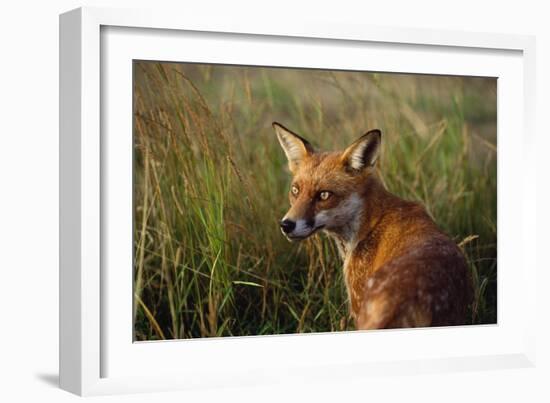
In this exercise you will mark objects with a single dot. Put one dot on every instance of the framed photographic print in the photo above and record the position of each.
(237, 198)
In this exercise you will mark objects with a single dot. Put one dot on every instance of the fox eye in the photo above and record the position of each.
(325, 195)
(294, 190)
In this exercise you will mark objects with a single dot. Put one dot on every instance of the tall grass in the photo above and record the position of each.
(210, 185)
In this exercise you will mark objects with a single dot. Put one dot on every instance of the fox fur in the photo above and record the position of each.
(400, 269)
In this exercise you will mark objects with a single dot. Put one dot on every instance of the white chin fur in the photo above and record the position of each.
(301, 230)
(344, 216)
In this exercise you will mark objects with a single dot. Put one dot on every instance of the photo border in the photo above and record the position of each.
(81, 159)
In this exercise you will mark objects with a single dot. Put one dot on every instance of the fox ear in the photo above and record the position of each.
(295, 147)
(364, 151)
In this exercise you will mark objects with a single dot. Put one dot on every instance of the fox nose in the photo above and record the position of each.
(287, 226)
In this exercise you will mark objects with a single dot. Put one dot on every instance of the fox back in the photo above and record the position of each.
(400, 269)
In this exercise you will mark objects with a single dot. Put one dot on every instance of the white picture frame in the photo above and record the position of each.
(96, 354)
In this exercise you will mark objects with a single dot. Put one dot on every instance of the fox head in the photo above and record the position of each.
(327, 188)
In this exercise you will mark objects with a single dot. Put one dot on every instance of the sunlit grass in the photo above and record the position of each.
(210, 185)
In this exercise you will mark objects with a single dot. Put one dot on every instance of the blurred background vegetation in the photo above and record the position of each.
(211, 183)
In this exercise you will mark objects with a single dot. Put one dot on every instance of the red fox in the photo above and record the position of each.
(400, 270)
